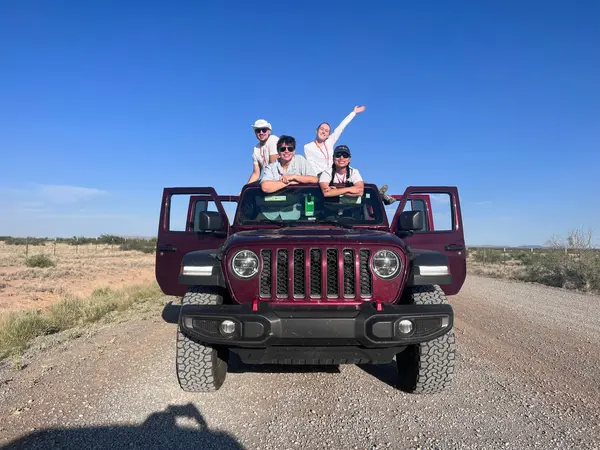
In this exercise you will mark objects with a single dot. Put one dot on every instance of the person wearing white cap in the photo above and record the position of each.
(265, 151)
(320, 151)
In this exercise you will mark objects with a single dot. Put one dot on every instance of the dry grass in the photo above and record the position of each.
(19, 328)
(78, 271)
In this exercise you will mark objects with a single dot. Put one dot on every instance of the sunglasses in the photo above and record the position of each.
(261, 130)
(341, 155)
(289, 149)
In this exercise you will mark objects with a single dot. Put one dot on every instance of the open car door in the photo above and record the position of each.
(442, 205)
(176, 235)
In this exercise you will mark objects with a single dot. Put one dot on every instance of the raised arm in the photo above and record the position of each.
(333, 138)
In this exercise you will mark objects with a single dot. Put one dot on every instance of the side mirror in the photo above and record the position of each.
(207, 221)
(410, 221)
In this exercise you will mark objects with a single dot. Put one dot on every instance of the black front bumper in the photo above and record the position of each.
(323, 325)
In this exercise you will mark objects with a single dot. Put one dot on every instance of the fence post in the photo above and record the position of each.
(54, 246)
(26, 246)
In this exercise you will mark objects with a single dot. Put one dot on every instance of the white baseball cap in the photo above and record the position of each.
(260, 123)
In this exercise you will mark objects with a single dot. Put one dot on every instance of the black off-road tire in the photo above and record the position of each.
(200, 368)
(428, 368)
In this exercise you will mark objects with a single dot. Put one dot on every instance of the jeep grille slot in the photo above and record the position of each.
(299, 273)
(315, 272)
(332, 272)
(282, 273)
(366, 288)
(328, 273)
(265, 275)
(349, 280)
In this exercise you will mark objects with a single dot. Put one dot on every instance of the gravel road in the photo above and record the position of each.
(528, 377)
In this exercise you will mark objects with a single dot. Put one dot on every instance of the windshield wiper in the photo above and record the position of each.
(279, 223)
(336, 223)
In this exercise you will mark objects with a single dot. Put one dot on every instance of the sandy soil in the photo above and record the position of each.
(78, 272)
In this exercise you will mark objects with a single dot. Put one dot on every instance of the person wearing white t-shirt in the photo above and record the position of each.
(265, 151)
(320, 151)
(342, 179)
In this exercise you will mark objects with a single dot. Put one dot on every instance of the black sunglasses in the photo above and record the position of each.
(289, 149)
(344, 154)
(261, 130)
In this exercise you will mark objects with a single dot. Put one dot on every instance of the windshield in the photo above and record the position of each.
(302, 205)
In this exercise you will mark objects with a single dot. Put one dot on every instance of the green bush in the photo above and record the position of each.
(141, 245)
(39, 260)
(488, 256)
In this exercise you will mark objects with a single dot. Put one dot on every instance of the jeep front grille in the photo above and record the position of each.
(315, 273)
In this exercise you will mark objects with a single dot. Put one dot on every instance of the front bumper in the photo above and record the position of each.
(309, 325)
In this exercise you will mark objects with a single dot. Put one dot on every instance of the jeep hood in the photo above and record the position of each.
(321, 236)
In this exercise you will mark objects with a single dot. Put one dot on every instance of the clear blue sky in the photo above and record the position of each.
(102, 104)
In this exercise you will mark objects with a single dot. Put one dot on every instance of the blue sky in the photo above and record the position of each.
(102, 104)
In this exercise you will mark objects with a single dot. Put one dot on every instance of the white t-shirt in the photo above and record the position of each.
(320, 156)
(341, 178)
(260, 155)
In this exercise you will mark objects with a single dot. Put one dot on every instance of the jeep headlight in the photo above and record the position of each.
(244, 264)
(386, 264)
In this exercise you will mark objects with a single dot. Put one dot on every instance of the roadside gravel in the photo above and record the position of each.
(528, 367)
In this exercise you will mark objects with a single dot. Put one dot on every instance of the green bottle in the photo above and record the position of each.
(309, 205)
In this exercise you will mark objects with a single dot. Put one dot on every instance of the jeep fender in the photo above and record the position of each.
(428, 267)
(201, 268)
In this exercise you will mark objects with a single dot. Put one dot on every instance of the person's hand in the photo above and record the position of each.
(354, 190)
(329, 188)
(359, 109)
(284, 179)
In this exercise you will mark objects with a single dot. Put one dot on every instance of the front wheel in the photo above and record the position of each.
(428, 367)
(200, 368)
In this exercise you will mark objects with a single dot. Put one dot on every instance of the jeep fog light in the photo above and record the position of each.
(227, 327)
(244, 264)
(386, 264)
(405, 326)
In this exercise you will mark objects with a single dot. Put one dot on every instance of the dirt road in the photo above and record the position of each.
(528, 377)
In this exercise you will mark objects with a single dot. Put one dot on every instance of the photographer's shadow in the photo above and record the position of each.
(159, 431)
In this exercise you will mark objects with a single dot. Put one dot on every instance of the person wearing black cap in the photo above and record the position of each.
(342, 179)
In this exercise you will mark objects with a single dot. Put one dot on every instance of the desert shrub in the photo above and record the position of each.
(488, 255)
(142, 245)
(23, 241)
(39, 260)
(572, 263)
(110, 239)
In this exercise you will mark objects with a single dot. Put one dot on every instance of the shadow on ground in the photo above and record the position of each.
(159, 431)
(386, 373)
(235, 365)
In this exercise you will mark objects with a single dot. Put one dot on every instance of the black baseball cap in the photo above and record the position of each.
(341, 149)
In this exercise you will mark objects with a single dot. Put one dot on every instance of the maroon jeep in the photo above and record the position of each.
(294, 277)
